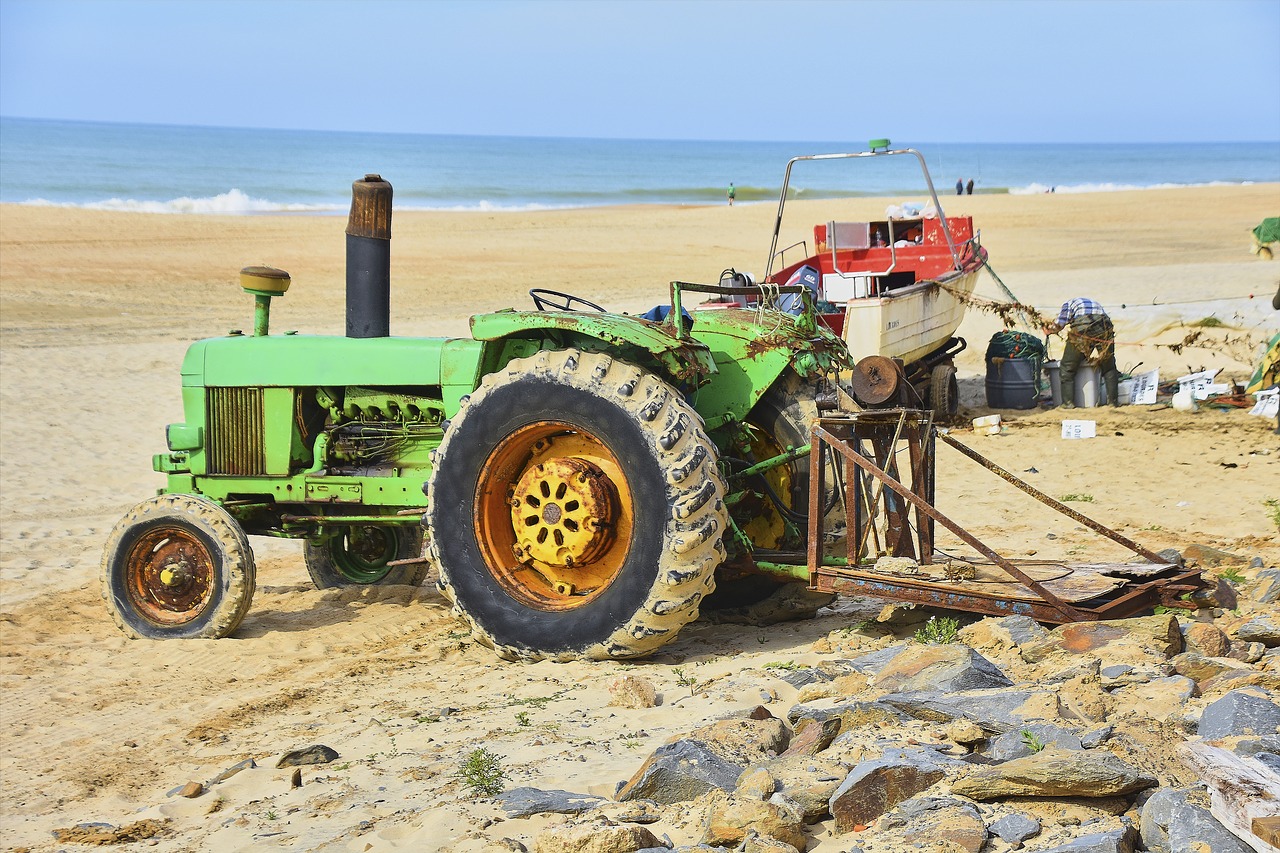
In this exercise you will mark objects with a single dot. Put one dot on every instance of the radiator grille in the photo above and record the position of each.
(236, 431)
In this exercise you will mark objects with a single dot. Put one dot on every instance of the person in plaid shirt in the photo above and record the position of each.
(1091, 338)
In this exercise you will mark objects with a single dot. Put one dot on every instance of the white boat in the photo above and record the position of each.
(894, 287)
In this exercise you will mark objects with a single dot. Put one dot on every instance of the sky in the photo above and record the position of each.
(936, 70)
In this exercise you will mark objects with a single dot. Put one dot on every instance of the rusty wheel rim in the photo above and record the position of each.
(767, 527)
(169, 574)
(553, 516)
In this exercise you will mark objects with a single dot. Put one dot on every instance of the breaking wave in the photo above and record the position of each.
(233, 202)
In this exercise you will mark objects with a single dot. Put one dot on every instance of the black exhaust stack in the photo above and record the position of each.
(369, 259)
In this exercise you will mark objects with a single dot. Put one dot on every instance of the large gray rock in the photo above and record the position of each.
(1267, 587)
(1016, 828)
(945, 668)
(806, 784)
(997, 710)
(874, 787)
(678, 772)
(1174, 822)
(1122, 840)
(1018, 742)
(523, 802)
(851, 715)
(1137, 640)
(925, 821)
(1054, 773)
(872, 662)
(1263, 629)
(1239, 712)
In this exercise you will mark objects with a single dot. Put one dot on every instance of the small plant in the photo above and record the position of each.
(1208, 323)
(482, 772)
(788, 665)
(1079, 497)
(1032, 741)
(938, 632)
(522, 719)
(1231, 575)
(685, 680)
(1273, 510)
(271, 815)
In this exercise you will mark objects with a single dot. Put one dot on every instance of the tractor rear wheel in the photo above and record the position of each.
(178, 567)
(575, 510)
(360, 554)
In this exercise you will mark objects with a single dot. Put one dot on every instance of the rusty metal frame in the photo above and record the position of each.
(884, 430)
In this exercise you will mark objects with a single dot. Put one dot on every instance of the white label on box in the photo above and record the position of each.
(1079, 429)
(1144, 388)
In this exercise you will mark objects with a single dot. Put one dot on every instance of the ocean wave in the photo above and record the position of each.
(1033, 189)
(233, 202)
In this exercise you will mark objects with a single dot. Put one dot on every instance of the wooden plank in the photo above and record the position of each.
(1241, 793)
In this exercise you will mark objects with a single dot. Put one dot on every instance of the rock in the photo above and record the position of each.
(925, 821)
(524, 802)
(806, 784)
(1221, 594)
(874, 787)
(851, 715)
(1016, 828)
(596, 836)
(247, 764)
(1247, 652)
(965, 732)
(1207, 556)
(1122, 840)
(763, 844)
(317, 754)
(945, 668)
(632, 691)
(1113, 641)
(744, 741)
(1084, 699)
(191, 790)
(1096, 736)
(1054, 773)
(802, 677)
(1159, 698)
(872, 662)
(730, 818)
(1206, 639)
(1178, 821)
(756, 783)
(680, 771)
(1266, 588)
(1016, 743)
(994, 710)
(1263, 629)
(1200, 668)
(813, 737)
(1239, 712)
(791, 602)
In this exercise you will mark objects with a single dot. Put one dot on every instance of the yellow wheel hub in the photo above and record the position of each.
(560, 511)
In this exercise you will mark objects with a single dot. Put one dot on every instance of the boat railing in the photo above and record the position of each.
(782, 253)
(879, 148)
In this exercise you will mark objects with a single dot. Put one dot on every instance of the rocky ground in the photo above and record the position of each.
(905, 731)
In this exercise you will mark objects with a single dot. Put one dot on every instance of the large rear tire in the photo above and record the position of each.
(178, 567)
(360, 555)
(575, 510)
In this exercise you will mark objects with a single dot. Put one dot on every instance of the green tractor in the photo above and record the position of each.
(581, 480)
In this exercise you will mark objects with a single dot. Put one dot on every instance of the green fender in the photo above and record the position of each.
(512, 334)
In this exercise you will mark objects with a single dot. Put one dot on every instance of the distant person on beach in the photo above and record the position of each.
(1091, 338)
(732, 194)
(968, 188)
(959, 186)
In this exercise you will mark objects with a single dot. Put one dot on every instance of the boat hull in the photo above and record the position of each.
(908, 323)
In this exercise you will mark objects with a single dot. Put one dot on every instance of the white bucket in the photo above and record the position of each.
(1086, 386)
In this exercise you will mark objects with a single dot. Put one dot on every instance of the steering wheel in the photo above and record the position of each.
(554, 300)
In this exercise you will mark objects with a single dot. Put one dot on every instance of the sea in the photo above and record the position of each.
(240, 171)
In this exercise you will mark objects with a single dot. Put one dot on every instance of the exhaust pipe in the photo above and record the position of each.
(369, 259)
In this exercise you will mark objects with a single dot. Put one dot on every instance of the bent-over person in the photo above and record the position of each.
(1091, 338)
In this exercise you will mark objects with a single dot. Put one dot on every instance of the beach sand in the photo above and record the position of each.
(96, 310)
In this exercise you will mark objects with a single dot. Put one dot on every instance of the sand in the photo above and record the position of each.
(97, 308)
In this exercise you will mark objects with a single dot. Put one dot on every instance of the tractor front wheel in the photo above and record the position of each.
(576, 510)
(178, 567)
(361, 554)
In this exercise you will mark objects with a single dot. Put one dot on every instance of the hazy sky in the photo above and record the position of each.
(949, 71)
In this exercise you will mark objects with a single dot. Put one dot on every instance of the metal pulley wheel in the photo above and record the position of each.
(876, 380)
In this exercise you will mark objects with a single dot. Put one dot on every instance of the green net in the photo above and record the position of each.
(1011, 344)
